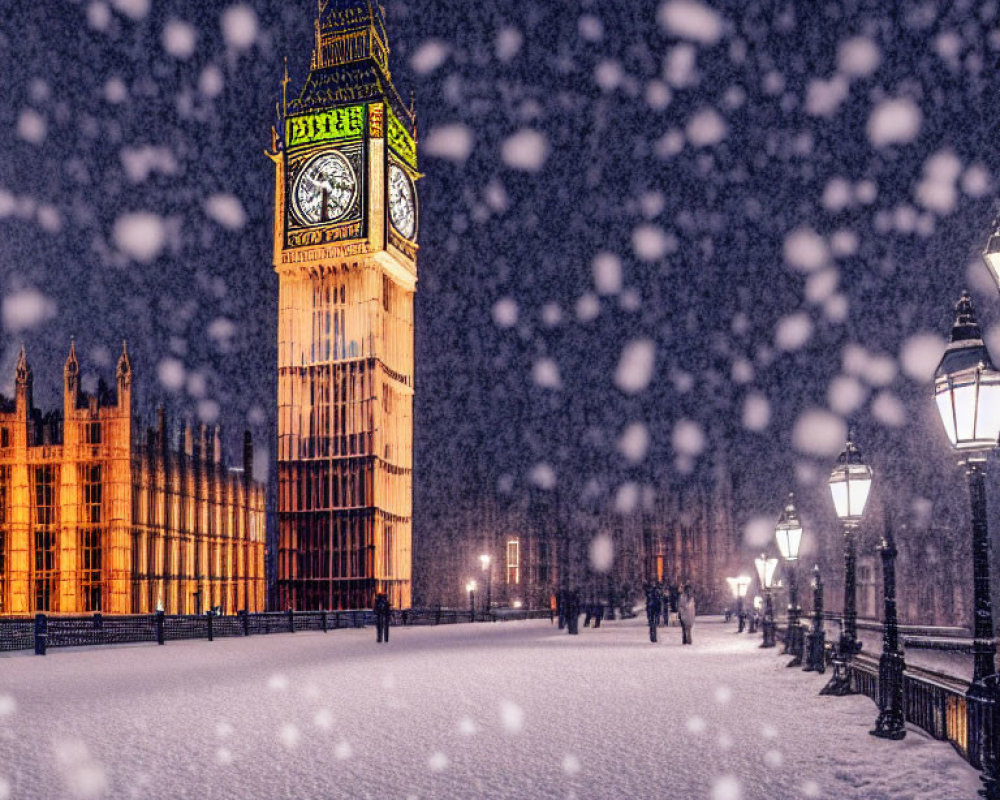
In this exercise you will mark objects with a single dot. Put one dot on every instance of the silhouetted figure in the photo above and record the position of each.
(685, 610)
(573, 612)
(383, 613)
(598, 613)
(654, 605)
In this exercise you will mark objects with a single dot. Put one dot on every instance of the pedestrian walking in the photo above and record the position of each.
(654, 604)
(685, 609)
(383, 613)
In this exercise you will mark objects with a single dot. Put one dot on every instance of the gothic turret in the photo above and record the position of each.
(123, 377)
(24, 382)
(71, 376)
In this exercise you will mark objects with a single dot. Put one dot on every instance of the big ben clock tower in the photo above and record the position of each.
(345, 231)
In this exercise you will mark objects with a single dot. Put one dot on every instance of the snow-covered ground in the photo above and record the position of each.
(512, 710)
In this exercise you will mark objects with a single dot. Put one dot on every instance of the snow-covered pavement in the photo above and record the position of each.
(512, 710)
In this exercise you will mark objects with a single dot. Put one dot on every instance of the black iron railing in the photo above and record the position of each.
(931, 700)
(45, 631)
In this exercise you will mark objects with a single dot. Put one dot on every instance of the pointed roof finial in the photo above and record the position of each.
(124, 369)
(23, 371)
(284, 89)
(72, 365)
(851, 454)
(966, 327)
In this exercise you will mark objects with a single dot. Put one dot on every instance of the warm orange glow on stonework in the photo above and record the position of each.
(94, 516)
(347, 277)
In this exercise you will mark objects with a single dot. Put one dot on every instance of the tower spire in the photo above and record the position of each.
(124, 369)
(23, 371)
(72, 367)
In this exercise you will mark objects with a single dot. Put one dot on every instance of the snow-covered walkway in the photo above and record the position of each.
(512, 710)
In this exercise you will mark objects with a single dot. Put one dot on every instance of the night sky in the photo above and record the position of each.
(655, 237)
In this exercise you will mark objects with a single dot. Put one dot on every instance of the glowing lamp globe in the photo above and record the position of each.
(734, 586)
(742, 584)
(967, 386)
(765, 570)
(470, 586)
(788, 531)
(850, 484)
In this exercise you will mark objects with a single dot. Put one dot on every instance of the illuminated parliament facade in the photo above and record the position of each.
(345, 231)
(97, 517)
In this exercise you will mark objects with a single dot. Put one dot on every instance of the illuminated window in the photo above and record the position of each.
(513, 562)
(90, 540)
(45, 535)
(4, 479)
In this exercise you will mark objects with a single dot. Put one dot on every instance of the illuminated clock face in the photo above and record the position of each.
(402, 202)
(324, 190)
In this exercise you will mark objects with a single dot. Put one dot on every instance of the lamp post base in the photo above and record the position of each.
(982, 716)
(816, 652)
(769, 627)
(890, 723)
(797, 646)
(840, 683)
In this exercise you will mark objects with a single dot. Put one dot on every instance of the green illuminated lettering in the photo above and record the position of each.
(326, 126)
(401, 141)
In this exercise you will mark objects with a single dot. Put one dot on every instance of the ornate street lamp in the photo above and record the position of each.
(765, 571)
(850, 485)
(967, 391)
(470, 587)
(788, 532)
(485, 560)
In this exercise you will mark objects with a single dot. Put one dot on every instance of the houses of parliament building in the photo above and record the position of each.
(97, 515)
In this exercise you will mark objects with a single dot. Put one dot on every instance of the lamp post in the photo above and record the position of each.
(765, 571)
(788, 532)
(470, 587)
(486, 560)
(967, 391)
(850, 484)
(816, 661)
(891, 722)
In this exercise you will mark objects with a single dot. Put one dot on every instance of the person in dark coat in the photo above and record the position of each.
(383, 613)
(573, 612)
(654, 605)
